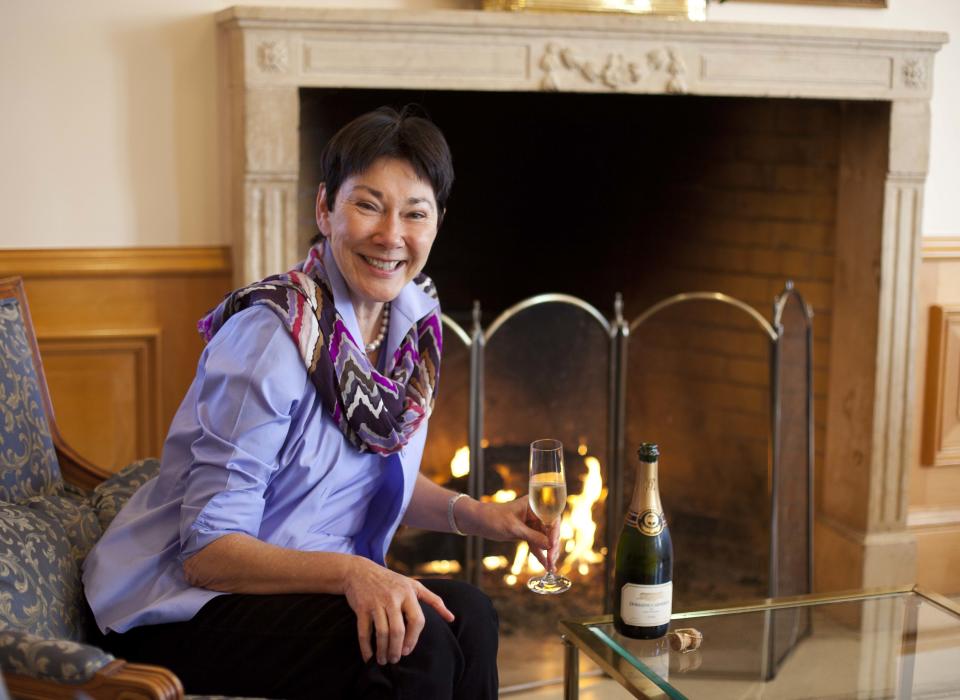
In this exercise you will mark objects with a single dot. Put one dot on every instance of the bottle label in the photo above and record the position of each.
(649, 522)
(646, 606)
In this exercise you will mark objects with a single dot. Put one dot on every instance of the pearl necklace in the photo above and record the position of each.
(384, 324)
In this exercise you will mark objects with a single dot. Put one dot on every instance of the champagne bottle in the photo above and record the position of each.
(643, 590)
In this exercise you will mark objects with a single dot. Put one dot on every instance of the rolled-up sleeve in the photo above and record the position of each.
(250, 380)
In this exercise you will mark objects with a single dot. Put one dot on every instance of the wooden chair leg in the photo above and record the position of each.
(118, 680)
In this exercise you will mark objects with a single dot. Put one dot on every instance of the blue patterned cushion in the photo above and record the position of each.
(109, 496)
(76, 516)
(50, 659)
(39, 578)
(28, 461)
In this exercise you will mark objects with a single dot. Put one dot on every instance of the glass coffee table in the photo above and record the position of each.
(892, 643)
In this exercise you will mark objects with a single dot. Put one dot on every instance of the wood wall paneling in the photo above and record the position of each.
(117, 333)
(115, 262)
(938, 563)
(940, 444)
(105, 385)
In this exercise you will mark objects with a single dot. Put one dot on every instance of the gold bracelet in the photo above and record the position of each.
(450, 519)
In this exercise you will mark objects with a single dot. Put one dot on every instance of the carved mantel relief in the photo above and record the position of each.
(273, 56)
(914, 73)
(658, 70)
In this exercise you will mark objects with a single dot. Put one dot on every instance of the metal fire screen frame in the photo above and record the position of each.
(618, 331)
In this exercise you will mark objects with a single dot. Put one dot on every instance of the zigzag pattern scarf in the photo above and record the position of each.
(376, 412)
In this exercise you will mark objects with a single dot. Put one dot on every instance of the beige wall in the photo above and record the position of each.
(109, 131)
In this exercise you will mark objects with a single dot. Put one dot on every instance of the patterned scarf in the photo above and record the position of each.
(376, 412)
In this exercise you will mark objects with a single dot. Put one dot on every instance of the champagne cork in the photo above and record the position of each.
(685, 640)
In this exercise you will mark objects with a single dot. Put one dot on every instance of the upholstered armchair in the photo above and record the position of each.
(54, 505)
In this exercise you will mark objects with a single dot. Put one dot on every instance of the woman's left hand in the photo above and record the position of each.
(514, 520)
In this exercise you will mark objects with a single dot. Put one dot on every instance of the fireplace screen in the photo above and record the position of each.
(698, 384)
(547, 375)
(703, 374)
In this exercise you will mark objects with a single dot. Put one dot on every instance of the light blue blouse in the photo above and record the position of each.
(251, 450)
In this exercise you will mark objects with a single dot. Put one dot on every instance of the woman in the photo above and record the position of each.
(254, 563)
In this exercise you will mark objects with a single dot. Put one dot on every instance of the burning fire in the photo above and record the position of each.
(492, 563)
(444, 567)
(460, 464)
(577, 528)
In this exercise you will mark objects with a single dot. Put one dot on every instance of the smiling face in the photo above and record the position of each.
(380, 229)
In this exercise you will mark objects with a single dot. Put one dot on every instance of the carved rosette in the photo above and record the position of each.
(273, 56)
(914, 73)
(614, 71)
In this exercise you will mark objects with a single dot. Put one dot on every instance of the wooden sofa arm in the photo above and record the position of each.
(118, 680)
(74, 467)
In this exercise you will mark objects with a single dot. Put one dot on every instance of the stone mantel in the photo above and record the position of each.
(474, 50)
(268, 54)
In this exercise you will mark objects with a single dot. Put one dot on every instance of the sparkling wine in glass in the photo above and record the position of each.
(548, 497)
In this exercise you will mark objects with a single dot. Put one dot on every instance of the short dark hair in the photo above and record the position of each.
(385, 132)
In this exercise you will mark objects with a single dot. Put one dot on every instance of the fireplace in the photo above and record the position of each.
(658, 157)
(760, 211)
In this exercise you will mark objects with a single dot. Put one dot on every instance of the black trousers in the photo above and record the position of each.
(305, 646)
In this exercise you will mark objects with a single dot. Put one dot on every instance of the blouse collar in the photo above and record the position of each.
(410, 306)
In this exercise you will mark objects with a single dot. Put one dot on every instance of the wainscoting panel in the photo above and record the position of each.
(938, 562)
(117, 333)
(941, 415)
(109, 383)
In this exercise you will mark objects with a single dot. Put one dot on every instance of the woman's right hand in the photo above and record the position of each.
(384, 601)
(388, 604)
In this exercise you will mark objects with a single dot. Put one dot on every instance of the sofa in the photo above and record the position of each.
(54, 505)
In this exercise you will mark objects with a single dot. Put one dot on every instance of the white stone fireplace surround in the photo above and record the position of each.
(268, 54)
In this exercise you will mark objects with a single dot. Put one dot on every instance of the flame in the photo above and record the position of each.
(533, 564)
(577, 531)
(443, 567)
(504, 496)
(523, 550)
(581, 521)
(492, 563)
(460, 464)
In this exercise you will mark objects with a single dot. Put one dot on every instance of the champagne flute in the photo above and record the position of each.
(548, 497)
